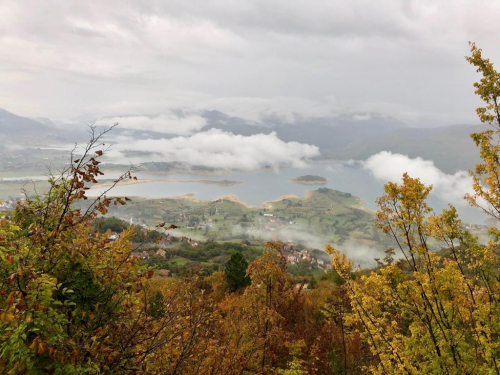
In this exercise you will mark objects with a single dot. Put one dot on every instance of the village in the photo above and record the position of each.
(168, 251)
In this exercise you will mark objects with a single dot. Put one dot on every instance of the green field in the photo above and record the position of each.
(323, 216)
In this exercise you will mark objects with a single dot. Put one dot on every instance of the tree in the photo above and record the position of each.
(435, 312)
(236, 272)
(74, 302)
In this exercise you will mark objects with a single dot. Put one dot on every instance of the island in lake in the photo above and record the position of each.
(310, 180)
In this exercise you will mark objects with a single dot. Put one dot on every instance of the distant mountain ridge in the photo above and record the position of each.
(344, 137)
(12, 125)
(15, 129)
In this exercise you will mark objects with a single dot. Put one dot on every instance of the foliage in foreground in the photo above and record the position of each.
(74, 302)
(428, 313)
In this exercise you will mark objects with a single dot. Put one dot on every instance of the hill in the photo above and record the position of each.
(323, 216)
(342, 137)
(354, 137)
(450, 147)
(15, 128)
(310, 180)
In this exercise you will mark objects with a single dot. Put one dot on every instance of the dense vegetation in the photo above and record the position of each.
(330, 215)
(75, 301)
(310, 179)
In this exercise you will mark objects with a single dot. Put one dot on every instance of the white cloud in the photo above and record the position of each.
(286, 109)
(167, 123)
(450, 188)
(219, 149)
(360, 253)
(400, 57)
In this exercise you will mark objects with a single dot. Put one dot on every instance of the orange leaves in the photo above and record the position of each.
(11, 278)
(171, 226)
(39, 346)
(119, 200)
(98, 331)
(21, 305)
(57, 272)
(7, 317)
(74, 354)
(10, 298)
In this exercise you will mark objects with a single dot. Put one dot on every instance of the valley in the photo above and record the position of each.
(322, 216)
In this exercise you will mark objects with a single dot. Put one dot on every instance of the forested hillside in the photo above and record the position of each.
(82, 293)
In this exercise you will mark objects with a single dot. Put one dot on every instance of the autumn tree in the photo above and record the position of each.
(435, 312)
(72, 301)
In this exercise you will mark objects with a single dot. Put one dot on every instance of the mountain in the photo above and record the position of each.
(13, 127)
(359, 137)
(25, 131)
(450, 147)
(324, 132)
(356, 136)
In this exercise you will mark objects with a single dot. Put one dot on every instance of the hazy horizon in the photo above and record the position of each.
(249, 85)
(249, 59)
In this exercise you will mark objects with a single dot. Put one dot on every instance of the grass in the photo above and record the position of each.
(179, 261)
(324, 213)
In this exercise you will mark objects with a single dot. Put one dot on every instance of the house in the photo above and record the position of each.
(161, 242)
(161, 253)
(163, 272)
(113, 236)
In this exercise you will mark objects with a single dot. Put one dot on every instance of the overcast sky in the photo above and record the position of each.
(250, 58)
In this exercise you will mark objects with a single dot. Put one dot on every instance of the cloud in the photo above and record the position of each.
(361, 254)
(286, 109)
(357, 251)
(167, 123)
(219, 149)
(451, 188)
(400, 57)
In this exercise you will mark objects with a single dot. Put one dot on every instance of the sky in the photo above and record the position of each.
(249, 58)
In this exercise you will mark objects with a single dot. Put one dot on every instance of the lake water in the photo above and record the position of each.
(267, 185)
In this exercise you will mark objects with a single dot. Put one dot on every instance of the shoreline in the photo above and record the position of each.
(269, 204)
(190, 197)
(233, 198)
(147, 181)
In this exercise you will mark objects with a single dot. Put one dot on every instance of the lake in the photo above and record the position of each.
(267, 185)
